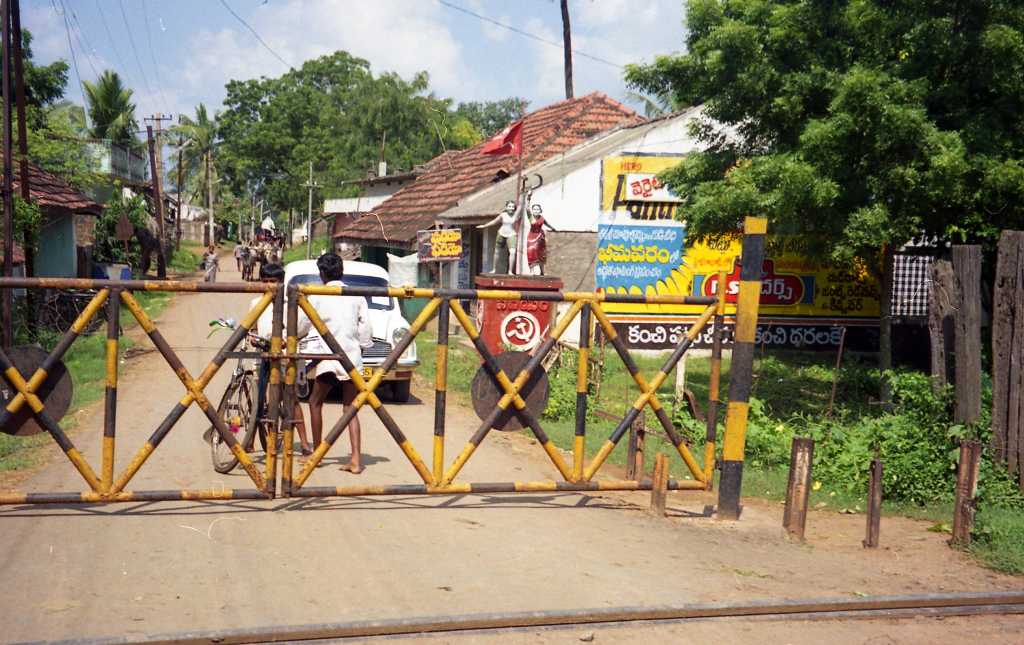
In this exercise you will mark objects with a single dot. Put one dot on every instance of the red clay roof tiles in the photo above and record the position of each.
(453, 175)
(49, 190)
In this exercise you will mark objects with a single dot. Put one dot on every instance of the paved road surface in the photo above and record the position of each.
(144, 568)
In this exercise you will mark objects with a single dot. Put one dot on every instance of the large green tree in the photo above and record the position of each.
(199, 143)
(490, 117)
(857, 123)
(111, 110)
(334, 113)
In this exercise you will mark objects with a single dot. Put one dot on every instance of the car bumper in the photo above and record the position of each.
(401, 372)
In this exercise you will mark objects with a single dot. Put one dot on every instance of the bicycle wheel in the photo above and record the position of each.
(235, 409)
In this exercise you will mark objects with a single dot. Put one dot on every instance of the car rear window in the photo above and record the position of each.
(384, 303)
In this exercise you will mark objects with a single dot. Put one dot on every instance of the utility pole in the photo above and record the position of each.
(28, 235)
(156, 169)
(309, 221)
(567, 46)
(211, 234)
(181, 171)
(6, 300)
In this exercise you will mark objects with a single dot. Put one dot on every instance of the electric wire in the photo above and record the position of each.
(253, 31)
(110, 37)
(135, 52)
(152, 56)
(74, 60)
(83, 44)
(527, 34)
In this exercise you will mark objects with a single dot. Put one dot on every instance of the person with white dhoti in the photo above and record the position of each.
(348, 320)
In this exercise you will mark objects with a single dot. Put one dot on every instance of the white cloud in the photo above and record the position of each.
(405, 37)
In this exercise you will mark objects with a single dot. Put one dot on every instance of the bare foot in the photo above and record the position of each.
(355, 469)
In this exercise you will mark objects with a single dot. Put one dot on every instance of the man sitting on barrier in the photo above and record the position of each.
(347, 318)
(264, 330)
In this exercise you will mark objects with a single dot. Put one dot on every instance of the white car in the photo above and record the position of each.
(386, 321)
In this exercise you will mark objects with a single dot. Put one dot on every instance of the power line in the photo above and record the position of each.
(527, 34)
(74, 61)
(152, 57)
(110, 37)
(82, 43)
(262, 42)
(135, 52)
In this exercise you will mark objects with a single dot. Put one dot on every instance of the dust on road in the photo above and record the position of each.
(143, 568)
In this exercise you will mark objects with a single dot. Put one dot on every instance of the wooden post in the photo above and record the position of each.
(874, 518)
(801, 461)
(1008, 354)
(967, 267)
(635, 449)
(659, 485)
(966, 487)
(942, 304)
(158, 203)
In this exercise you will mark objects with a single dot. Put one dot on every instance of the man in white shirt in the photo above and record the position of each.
(347, 318)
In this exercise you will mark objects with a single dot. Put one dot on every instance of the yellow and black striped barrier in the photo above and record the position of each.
(440, 479)
(114, 293)
(437, 476)
(742, 367)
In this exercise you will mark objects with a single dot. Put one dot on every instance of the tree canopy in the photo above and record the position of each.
(334, 113)
(111, 110)
(490, 117)
(864, 121)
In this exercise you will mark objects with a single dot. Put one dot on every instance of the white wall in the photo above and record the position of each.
(573, 203)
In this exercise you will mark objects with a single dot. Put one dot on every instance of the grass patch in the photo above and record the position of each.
(999, 539)
(86, 362)
(185, 260)
(298, 251)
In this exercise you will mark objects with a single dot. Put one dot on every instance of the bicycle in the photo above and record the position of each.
(237, 405)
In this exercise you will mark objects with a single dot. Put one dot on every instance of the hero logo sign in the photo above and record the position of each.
(521, 330)
(776, 288)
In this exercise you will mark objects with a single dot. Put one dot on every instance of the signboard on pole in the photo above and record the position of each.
(444, 245)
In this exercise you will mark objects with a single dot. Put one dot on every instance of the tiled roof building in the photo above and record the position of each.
(457, 173)
(50, 191)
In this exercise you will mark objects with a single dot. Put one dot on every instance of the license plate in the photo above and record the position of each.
(367, 372)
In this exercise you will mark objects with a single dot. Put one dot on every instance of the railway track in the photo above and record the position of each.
(874, 607)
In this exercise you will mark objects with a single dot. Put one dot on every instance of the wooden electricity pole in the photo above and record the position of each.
(567, 46)
(28, 235)
(6, 300)
(156, 170)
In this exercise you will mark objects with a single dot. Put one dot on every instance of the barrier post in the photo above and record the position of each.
(440, 389)
(874, 515)
(798, 488)
(714, 398)
(742, 368)
(110, 393)
(274, 389)
(583, 365)
(659, 484)
(291, 397)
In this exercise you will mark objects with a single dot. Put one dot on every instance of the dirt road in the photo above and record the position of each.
(144, 568)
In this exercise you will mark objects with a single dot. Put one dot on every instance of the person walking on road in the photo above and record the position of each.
(347, 318)
(238, 256)
(210, 263)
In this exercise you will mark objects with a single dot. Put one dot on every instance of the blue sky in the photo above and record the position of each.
(185, 50)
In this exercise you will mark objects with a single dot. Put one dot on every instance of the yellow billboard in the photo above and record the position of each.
(804, 302)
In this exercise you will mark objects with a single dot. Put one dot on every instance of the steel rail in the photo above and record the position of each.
(814, 608)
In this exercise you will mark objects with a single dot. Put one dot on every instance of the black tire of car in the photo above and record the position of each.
(400, 391)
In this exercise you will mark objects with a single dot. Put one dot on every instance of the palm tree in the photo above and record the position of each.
(198, 144)
(111, 109)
